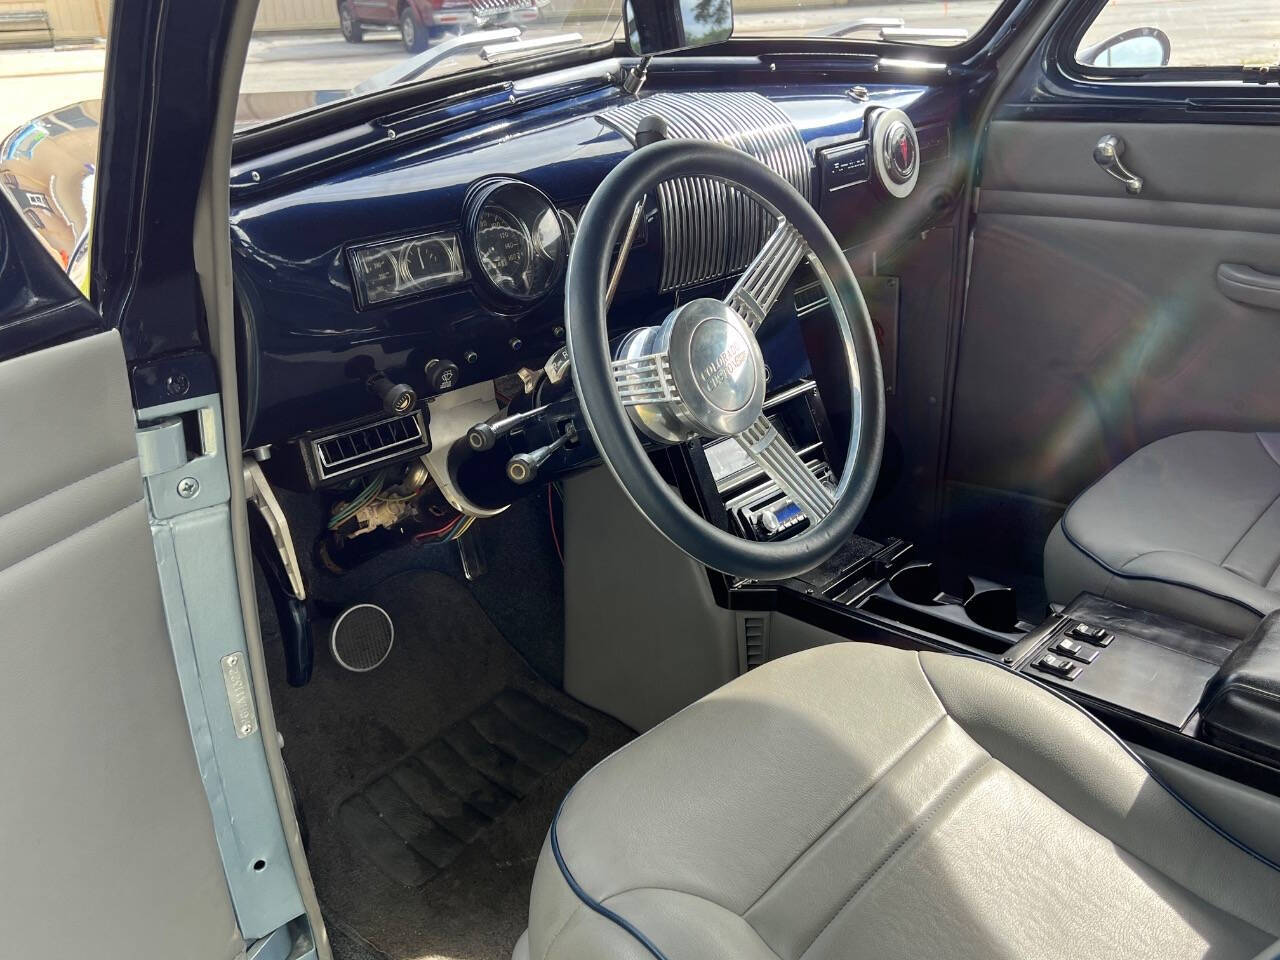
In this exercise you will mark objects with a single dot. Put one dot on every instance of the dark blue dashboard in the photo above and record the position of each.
(304, 336)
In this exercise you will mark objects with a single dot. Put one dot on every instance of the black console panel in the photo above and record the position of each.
(1146, 664)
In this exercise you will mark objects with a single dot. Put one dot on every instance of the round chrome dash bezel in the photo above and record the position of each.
(885, 123)
(700, 372)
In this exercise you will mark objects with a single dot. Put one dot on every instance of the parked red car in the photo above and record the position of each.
(420, 21)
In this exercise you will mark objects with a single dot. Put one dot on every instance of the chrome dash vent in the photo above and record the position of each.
(357, 449)
(709, 229)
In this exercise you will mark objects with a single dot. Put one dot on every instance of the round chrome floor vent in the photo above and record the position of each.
(362, 637)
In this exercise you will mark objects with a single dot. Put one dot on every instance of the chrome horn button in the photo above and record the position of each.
(721, 360)
(715, 368)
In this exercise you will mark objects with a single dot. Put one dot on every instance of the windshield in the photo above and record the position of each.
(306, 53)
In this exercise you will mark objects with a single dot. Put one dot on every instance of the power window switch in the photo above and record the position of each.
(1091, 634)
(1058, 666)
(1076, 650)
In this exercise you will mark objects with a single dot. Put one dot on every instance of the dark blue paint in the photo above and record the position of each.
(161, 87)
(301, 328)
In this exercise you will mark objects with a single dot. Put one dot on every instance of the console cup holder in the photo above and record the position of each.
(962, 599)
(992, 605)
(917, 583)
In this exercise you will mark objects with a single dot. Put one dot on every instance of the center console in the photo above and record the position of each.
(1189, 693)
(1180, 690)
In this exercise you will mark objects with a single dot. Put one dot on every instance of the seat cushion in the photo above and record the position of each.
(1188, 525)
(864, 801)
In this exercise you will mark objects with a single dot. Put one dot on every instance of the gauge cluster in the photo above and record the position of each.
(514, 246)
(406, 267)
(517, 240)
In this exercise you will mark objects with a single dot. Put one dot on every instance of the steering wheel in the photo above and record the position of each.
(701, 373)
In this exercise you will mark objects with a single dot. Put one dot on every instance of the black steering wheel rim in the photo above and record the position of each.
(620, 448)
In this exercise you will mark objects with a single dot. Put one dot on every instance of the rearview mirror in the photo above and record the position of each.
(663, 26)
(1133, 49)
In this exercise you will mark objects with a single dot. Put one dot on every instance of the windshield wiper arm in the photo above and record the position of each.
(864, 25)
(924, 33)
(445, 50)
(498, 52)
(895, 28)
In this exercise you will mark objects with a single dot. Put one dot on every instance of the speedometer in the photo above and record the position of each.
(505, 250)
(517, 239)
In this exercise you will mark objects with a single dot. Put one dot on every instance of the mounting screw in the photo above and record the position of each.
(255, 176)
(246, 729)
(860, 93)
(558, 332)
(471, 356)
(188, 487)
(177, 384)
(233, 660)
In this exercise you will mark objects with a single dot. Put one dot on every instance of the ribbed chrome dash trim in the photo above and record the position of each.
(709, 229)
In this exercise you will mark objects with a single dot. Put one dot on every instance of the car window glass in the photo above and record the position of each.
(1182, 34)
(52, 58)
(306, 53)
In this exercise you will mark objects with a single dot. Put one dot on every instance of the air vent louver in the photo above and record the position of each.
(362, 447)
(755, 636)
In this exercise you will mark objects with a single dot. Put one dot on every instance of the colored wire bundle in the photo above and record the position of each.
(346, 511)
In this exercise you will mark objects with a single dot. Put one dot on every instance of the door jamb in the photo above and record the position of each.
(212, 248)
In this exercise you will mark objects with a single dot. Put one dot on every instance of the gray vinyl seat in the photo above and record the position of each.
(864, 801)
(1188, 525)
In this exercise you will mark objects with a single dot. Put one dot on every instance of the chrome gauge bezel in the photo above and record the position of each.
(405, 284)
(524, 203)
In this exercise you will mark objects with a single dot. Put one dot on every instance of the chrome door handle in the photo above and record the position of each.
(1107, 155)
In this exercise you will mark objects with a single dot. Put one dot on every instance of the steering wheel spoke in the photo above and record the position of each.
(760, 285)
(781, 464)
(645, 379)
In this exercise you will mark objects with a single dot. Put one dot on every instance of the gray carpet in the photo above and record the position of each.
(449, 671)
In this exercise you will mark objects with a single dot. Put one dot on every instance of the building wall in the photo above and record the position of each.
(71, 20)
(75, 21)
(296, 15)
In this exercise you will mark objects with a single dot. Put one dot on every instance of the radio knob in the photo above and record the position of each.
(769, 522)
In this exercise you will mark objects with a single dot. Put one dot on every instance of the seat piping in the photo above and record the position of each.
(1243, 604)
(589, 900)
(1152, 773)
(657, 954)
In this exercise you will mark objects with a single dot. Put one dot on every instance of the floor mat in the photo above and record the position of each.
(414, 820)
(458, 752)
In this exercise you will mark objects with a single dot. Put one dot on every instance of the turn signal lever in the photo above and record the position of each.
(484, 435)
(523, 467)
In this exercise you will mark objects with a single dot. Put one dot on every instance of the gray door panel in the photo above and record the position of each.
(1096, 321)
(106, 839)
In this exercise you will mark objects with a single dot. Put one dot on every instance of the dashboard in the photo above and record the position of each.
(430, 249)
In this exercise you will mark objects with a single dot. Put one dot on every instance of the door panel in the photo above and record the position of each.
(1095, 320)
(105, 831)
